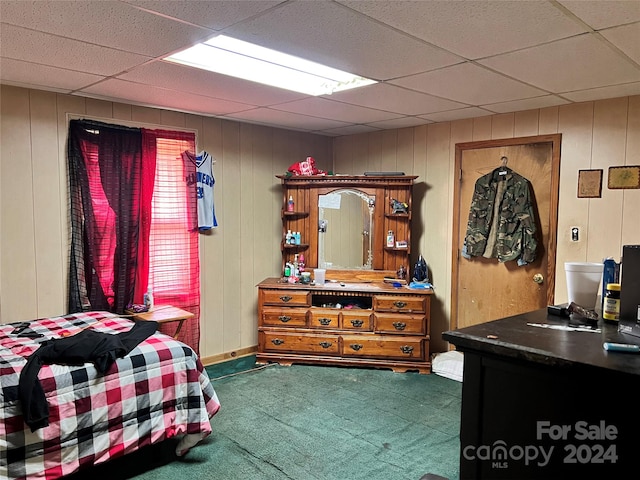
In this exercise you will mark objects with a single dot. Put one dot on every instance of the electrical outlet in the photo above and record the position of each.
(575, 234)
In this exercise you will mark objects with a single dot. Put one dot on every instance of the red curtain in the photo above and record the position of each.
(174, 266)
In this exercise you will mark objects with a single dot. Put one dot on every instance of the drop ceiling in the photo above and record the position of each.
(435, 61)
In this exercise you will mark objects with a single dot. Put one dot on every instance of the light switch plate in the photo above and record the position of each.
(575, 234)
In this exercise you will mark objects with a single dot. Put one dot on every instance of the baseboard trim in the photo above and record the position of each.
(223, 357)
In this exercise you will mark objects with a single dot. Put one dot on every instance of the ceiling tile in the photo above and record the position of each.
(626, 38)
(604, 13)
(325, 108)
(526, 104)
(211, 14)
(349, 130)
(289, 120)
(49, 78)
(459, 114)
(108, 23)
(137, 93)
(572, 64)
(395, 99)
(403, 122)
(202, 82)
(626, 90)
(474, 29)
(318, 30)
(453, 83)
(19, 44)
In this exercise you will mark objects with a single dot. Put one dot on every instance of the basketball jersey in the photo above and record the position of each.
(204, 189)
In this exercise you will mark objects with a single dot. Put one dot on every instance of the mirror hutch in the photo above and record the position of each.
(363, 315)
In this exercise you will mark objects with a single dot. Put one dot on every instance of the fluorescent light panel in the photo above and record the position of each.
(236, 58)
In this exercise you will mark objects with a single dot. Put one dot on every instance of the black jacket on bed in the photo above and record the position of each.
(101, 349)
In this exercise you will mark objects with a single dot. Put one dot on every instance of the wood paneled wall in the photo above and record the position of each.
(595, 135)
(235, 257)
(246, 247)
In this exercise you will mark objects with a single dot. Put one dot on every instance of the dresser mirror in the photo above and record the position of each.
(345, 226)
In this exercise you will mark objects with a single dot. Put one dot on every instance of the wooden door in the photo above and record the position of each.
(484, 289)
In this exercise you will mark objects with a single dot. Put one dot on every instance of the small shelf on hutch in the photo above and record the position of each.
(302, 245)
(295, 214)
(397, 249)
(396, 215)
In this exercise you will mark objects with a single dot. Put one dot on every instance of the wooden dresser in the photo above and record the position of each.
(359, 324)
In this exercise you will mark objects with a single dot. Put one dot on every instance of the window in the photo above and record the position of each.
(174, 268)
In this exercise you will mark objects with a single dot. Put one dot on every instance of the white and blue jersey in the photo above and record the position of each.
(204, 189)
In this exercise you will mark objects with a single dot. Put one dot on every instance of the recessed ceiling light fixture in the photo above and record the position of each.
(240, 59)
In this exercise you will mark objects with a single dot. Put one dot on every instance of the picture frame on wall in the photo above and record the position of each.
(590, 183)
(624, 177)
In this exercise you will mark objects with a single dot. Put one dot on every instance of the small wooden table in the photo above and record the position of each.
(164, 314)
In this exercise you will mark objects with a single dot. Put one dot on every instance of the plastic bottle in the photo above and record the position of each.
(148, 299)
(611, 309)
(611, 274)
(290, 204)
(390, 239)
(287, 238)
(295, 272)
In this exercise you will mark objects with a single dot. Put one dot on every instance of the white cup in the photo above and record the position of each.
(583, 282)
(318, 276)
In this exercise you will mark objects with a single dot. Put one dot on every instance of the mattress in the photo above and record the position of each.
(158, 391)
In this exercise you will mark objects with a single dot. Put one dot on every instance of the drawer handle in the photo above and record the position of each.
(325, 344)
(399, 325)
(400, 304)
(277, 341)
(324, 321)
(408, 349)
(357, 323)
(285, 298)
(356, 346)
(284, 318)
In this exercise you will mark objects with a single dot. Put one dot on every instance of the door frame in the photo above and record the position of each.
(556, 141)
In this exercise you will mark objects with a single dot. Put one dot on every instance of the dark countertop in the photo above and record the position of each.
(515, 339)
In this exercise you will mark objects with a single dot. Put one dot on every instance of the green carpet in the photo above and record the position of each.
(316, 422)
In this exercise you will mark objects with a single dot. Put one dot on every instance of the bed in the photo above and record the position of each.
(158, 391)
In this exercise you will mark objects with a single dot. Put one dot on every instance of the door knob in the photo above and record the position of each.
(538, 278)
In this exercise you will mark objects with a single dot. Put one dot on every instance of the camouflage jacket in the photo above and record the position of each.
(502, 221)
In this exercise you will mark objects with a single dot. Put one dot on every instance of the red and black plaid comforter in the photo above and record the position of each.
(158, 391)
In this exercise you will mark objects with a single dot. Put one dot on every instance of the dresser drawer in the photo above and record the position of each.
(404, 323)
(279, 341)
(284, 317)
(383, 346)
(356, 320)
(295, 298)
(324, 318)
(399, 303)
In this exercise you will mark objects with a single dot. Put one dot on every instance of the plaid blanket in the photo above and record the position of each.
(158, 391)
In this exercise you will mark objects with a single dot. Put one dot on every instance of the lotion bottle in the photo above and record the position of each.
(390, 239)
(148, 299)
(290, 204)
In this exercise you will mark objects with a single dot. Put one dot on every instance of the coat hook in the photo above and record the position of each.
(504, 161)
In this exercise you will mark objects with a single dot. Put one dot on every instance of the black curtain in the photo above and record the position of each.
(105, 173)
